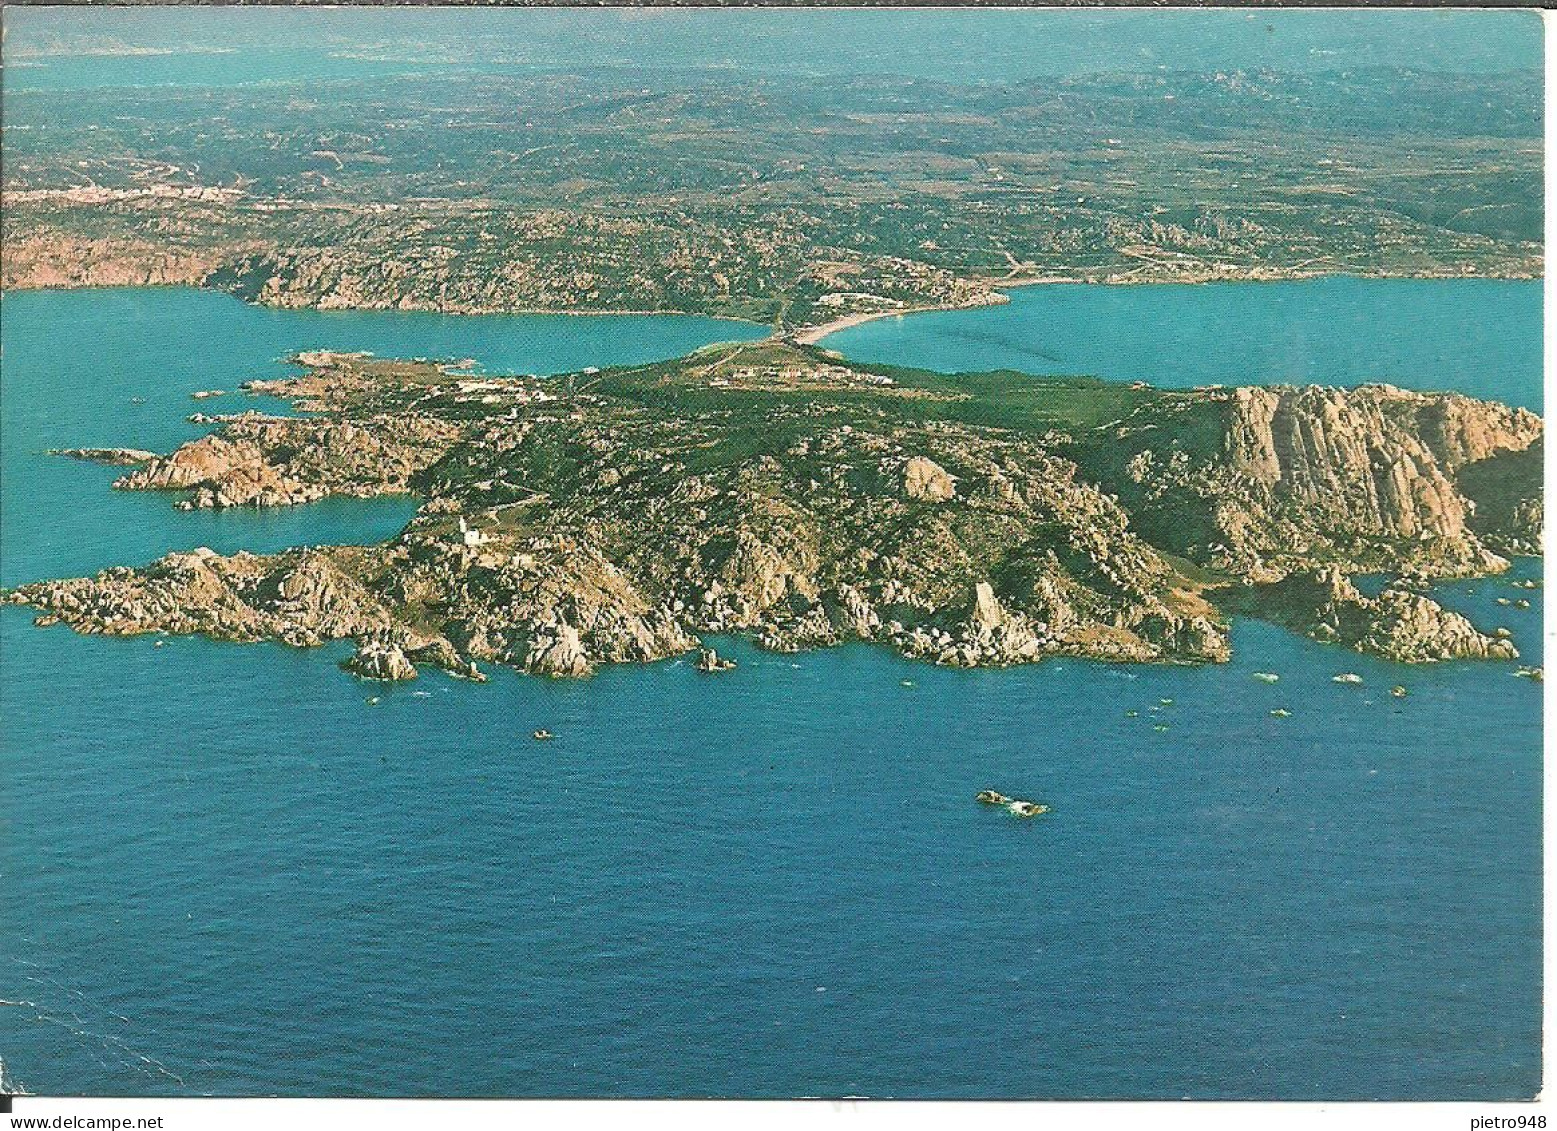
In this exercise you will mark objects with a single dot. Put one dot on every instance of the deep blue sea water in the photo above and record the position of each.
(1477, 336)
(226, 872)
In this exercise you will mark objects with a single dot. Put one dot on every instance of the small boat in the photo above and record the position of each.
(1266, 677)
(542, 735)
(1281, 713)
(1346, 677)
(1013, 805)
(372, 700)
(1398, 691)
(1530, 673)
(1027, 808)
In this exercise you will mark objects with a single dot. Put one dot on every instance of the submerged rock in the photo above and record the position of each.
(115, 457)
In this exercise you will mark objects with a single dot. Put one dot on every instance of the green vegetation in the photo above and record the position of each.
(999, 399)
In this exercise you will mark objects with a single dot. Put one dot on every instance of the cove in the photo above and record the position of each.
(115, 367)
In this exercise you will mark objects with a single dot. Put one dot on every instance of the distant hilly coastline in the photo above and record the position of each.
(787, 202)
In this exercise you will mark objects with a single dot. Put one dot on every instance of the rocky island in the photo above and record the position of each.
(775, 490)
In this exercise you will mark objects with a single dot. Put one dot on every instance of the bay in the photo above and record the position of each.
(1475, 336)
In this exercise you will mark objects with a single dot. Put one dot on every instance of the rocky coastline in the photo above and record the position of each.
(774, 491)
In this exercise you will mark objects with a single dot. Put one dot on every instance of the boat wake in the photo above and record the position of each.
(88, 1021)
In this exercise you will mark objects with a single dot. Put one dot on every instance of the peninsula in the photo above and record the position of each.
(774, 490)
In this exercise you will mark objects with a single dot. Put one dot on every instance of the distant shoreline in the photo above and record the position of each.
(814, 335)
(811, 335)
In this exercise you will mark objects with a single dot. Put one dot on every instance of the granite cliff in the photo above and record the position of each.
(1261, 481)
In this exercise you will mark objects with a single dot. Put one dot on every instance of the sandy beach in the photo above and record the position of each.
(812, 335)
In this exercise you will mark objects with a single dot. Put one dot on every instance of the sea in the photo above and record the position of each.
(126, 47)
(236, 870)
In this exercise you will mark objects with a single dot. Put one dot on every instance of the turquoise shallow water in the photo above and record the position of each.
(227, 873)
(1478, 336)
(76, 363)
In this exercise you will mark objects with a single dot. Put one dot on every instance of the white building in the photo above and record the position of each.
(471, 536)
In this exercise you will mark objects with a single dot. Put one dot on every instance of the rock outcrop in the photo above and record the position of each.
(261, 461)
(1398, 624)
(1507, 507)
(710, 661)
(381, 656)
(302, 597)
(926, 480)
